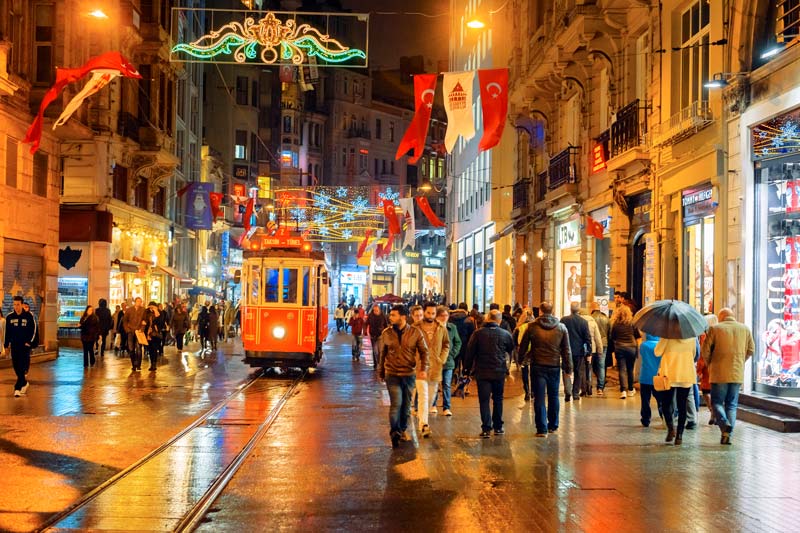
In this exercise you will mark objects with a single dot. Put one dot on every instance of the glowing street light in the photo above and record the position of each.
(98, 14)
(476, 24)
(426, 185)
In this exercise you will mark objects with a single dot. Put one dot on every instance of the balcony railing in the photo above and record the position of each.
(787, 23)
(358, 133)
(520, 194)
(630, 128)
(563, 168)
(684, 123)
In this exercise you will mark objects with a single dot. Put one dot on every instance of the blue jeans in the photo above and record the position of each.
(599, 369)
(725, 400)
(491, 389)
(447, 382)
(527, 379)
(400, 390)
(626, 357)
(545, 382)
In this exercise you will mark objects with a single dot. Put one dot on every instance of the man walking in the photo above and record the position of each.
(357, 325)
(133, 322)
(580, 342)
(21, 337)
(442, 316)
(376, 323)
(599, 362)
(597, 350)
(726, 348)
(401, 346)
(438, 349)
(106, 323)
(485, 359)
(546, 346)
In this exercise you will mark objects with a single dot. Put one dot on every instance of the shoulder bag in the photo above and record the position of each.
(661, 381)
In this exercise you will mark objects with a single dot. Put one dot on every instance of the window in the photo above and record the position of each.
(120, 184)
(344, 157)
(391, 167)
(43, 43)
(271, 285)
(344, 121)
(144, 92)
(344, 86)
(376, 168)
(352, 161)
(254, 94)
(241, 90)
(287, 124)
(694, 42)
(377, 128)
(309, 298)
(289, 291)
(40, 174)
(140, 194)
(240, 149)
(255, 284)
(159, 202)
(391, 132)
(253, 144)
(11, 162)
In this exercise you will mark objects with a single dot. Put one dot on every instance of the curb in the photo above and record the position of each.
(36, 358)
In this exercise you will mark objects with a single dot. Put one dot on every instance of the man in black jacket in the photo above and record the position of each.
(466, 327)
(485, 358)
(580, 344)
(106, 323)
(21, 337)
(545, 346)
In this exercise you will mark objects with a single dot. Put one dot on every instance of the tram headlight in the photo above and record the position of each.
(279, 332)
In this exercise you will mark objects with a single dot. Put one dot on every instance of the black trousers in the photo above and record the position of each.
(179, 340)
(491, 390)
(666, 398)
(103, 338)
(21, 360)
(88, 352)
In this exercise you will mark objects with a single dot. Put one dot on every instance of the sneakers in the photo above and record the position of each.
(17, 393)
(485, 434)
(24, 389)
(600, 392)
(433, 410)
(542, 435)
(632, 393)
(425, 431)
(552, 430)
(622, 395)
(499, 432)
(448, 412)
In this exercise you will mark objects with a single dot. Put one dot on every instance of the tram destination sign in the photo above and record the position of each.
(281, 38)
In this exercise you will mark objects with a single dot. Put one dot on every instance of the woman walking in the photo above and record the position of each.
(155, 327)
(677, 363)
(202, 326)
(622, 337)
(179, 325)
(90, 331)
(213, 326)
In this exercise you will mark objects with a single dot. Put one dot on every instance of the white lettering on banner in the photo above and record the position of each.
(695, 197)
(568, 235)
(358, 278)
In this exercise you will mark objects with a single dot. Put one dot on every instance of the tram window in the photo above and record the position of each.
(255, 284)
(271, 285)
(289, 285)
(306, 279)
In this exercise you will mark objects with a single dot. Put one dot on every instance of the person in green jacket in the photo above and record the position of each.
(442, 316)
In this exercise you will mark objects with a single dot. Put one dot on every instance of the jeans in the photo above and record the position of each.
(667, 398)
(21, 361)
(135, 351)
(545, 382)
(491, 418)
(153, 351)
(647, 391)
(599, 369)
(88, 353)
(400, 389)
(527, 379)
(626, 358)
(446, 385)
(725, 400)
(375, 351)
(574, 384)
(357, 342)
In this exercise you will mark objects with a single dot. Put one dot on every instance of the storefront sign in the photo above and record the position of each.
(568, 235)
(603, 217)
(412, 257)
(386, 266)
(598, 158)
(639, 208)
(433, 262)
(650, 268)
(354, 278)
(241, 172)
(602, 267)
(698, 203)
(73, 260)
(198, 206)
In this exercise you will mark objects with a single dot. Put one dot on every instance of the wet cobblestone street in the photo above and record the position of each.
(326, 463)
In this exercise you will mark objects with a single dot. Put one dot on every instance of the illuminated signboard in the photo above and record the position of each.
(598, 158)
(269, 37)
(241, 172)
(264, 187)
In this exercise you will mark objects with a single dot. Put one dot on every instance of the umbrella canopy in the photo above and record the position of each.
(670, 319)
(389, 299)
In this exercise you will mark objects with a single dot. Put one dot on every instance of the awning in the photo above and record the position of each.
(180, 276)
(126, 266)
(142, 261)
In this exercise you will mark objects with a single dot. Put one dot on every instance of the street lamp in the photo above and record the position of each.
(426, 185)
(98, 14)
(524, 258)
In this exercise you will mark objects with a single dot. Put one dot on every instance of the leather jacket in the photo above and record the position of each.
(399, 352)
(546, 343)
(485, 357)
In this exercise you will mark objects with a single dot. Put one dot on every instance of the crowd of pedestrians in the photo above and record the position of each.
(425, 349)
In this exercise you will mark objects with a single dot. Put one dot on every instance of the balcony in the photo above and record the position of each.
(683, 124)
(358, 133)
(629, 137)
(520, 197)
(563, 174)
(128, 126)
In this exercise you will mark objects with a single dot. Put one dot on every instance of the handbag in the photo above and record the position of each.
(661, 382)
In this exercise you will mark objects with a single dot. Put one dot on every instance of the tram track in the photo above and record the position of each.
(196, 511)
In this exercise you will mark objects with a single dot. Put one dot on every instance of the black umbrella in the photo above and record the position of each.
(670, 319)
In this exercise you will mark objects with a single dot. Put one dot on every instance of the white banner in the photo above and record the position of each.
(458, 92)
(407, 209)
(100, 78)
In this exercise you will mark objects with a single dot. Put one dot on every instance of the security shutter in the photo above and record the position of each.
(22, 276)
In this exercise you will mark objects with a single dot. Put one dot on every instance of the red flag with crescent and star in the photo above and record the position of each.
(216, 205)
(594, 228)
(363, 246)
(494, 103)
(417, 132)
(112, 63)
(427, 210)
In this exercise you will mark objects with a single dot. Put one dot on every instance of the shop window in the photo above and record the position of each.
(11, 162)
(699, 271)
(271, 280)
(40, 174)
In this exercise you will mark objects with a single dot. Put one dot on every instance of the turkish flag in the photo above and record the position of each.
(248, 213)
(216, 200)
(113, 61)
(391, 216)
(494, 103)
(363, 246)
(417, 132)
(594, 228)
(425, 207)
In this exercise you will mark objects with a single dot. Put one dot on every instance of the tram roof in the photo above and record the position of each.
(290, 253)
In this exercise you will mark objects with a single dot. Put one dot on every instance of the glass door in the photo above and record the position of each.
(699, 264)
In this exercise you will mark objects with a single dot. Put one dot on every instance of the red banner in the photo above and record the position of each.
(216, 208)
(65, 76)
(248, 212)
(594, 228)
(427, 210)
(391, 217)
(363, 246)
(494, 103)
(417, 132)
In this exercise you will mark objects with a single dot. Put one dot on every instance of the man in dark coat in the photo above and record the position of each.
(485, 358)
(106, 323)
(580, 342)
(465, 326)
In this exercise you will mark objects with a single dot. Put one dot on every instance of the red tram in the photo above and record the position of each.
(284, 303)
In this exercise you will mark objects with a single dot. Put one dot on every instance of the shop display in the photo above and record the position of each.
(73, 296)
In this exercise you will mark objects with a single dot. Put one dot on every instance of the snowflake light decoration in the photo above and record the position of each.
(389, 194)
(322, 201)
(348, 216)
(360, 204)
(341, 192)
(346, 234)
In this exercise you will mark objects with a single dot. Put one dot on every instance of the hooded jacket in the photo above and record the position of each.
(546, 343)
(438, 349)
(465, 327)
(455, 346)
(399, 352)
(486, 352)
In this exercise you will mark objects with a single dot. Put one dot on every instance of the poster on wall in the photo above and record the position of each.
(573, 282)
(432, 280)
